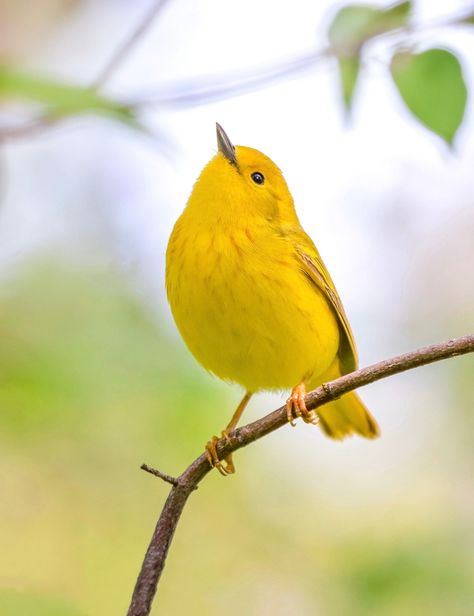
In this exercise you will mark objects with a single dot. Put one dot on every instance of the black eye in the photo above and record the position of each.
(258, 177)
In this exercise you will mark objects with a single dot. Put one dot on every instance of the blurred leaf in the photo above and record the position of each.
(395, 16)
(406, 574)
(15, 603)
(355, 24)
(74, 343)
(62, 99)
(432, 86)
(351, 28)
(348, 71)
(468, 18)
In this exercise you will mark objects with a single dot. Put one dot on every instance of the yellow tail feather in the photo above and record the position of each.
(347, 416)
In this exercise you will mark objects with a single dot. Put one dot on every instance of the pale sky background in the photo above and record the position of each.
(383, 198)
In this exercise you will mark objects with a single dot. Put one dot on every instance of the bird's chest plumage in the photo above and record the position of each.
(243, 307)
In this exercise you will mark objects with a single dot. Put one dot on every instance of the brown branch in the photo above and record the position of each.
(157, 473)
(186, 483)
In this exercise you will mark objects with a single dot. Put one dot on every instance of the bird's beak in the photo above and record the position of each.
(224, 145)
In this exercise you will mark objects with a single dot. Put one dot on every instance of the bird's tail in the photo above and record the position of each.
(346, 416)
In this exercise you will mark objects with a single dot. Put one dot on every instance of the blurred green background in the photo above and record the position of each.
(94, 379)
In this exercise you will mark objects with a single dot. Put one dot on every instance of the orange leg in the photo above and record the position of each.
(296, 406)
(212, 456)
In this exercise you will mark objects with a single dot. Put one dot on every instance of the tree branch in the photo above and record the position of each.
(28, 129)
(208, 89)
(157, 473)
(32, 127)
(186, 483)
(132, 39)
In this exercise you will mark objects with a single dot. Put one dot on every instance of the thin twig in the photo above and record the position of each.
(157, 473)
(126, 47)
(33, 127)
(207, 89)
(30, 128)
(155, 556)
(193, 93)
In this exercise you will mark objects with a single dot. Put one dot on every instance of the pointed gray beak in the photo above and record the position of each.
(224, 145)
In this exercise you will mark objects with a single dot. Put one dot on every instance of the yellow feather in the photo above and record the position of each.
(249, 292)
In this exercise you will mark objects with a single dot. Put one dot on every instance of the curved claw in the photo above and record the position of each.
(291, 415)
(296, 406)
(211, 451)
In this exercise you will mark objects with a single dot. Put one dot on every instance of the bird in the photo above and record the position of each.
(252, 298)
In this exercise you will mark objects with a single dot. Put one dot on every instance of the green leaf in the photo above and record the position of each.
(355, 24)
(465, 18)
(351, 28)
(15, 603)
(349, 72)
(396, 16)
(61, 99)
(432, 86)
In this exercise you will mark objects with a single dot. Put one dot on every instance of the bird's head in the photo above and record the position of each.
(241, 183)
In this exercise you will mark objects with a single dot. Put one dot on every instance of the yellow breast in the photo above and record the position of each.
(244, 307)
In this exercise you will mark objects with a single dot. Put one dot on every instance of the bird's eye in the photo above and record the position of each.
(258, 177)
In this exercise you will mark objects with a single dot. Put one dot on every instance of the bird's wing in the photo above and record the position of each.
(314, 269)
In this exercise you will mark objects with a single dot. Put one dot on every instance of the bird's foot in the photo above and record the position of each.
(296, 406)
(211, 450)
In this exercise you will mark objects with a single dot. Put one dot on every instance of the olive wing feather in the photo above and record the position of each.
(314, 269)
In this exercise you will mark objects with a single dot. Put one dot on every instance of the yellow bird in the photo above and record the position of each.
(252, 298)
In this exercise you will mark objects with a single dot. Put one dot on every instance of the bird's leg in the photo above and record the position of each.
(211, 450)
(296, 406)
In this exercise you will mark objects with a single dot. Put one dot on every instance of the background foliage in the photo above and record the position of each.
(93, 377)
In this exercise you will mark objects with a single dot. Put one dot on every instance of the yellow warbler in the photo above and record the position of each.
(251, 296)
